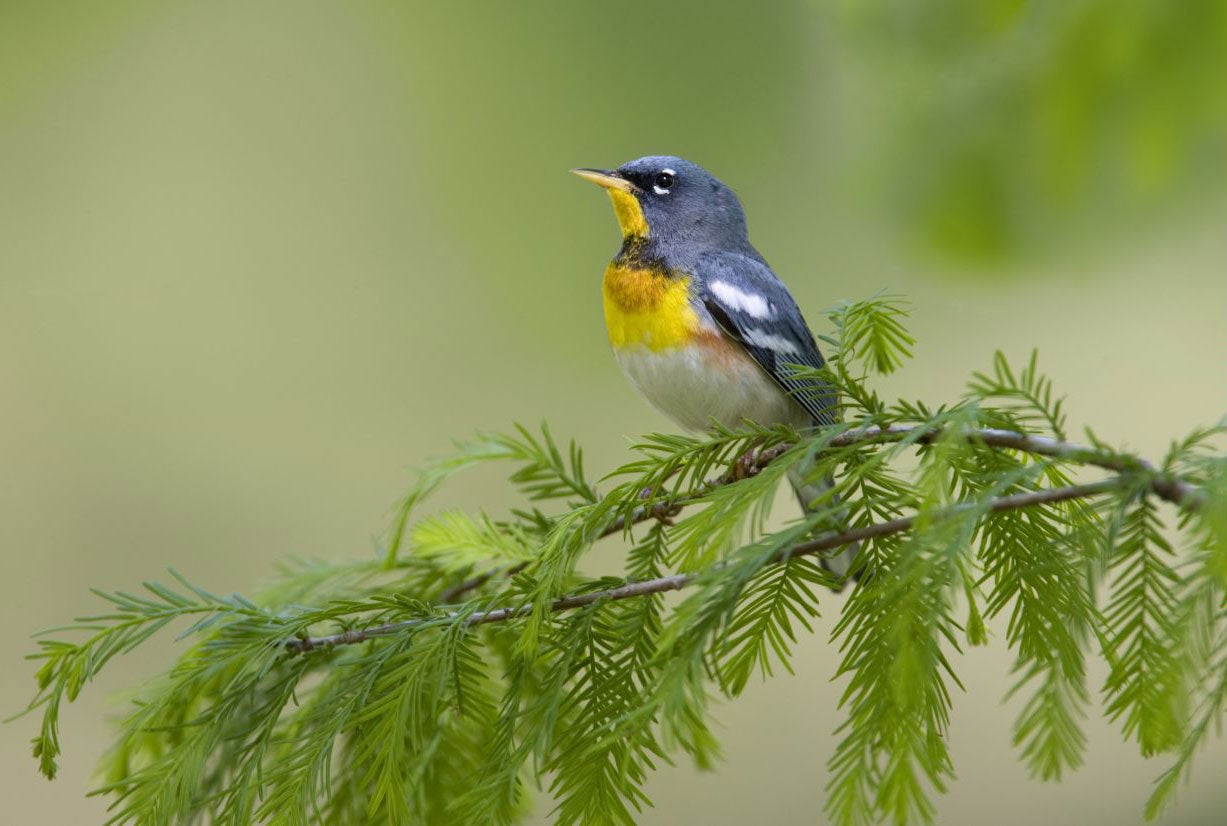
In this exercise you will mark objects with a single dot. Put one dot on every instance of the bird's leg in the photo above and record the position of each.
(664, 512)
(661, 511)
(745, 466)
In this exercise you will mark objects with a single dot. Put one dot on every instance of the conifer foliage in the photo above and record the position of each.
(470, 666)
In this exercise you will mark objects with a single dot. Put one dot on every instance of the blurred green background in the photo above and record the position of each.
(258, 258)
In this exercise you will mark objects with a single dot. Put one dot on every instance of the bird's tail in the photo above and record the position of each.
(808, 492)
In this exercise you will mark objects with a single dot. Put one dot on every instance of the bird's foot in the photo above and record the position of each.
(745, 466)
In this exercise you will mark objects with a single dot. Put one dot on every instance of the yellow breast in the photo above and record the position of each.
(647, 308)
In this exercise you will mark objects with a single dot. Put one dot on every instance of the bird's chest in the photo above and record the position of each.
(647, 308)
(680, 361)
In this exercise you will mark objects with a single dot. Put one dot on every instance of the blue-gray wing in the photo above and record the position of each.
(755, 309)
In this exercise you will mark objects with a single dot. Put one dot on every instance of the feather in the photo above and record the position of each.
(752, 307)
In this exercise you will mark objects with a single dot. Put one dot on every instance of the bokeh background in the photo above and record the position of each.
(259, 258)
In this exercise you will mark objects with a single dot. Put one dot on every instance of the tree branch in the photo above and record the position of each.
(1165, 486)
(678, 581)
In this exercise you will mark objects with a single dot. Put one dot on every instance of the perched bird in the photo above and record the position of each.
(698, 321)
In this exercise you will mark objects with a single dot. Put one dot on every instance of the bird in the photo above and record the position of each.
(697, 319)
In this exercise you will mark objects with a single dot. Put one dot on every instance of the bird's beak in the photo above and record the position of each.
(606, 179)
(625, 197)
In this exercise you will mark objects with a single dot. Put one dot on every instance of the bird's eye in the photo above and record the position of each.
(662, 182)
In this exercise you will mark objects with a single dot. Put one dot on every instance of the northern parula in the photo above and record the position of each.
(697, 320)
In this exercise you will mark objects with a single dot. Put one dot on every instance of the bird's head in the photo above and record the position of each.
(672, 200)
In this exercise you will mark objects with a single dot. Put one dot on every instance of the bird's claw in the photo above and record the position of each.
(663, 512)
(746, 465)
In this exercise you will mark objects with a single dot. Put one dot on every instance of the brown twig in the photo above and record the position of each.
(678, 581)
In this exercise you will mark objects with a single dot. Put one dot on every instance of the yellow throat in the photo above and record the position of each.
(629, 212)
(646, 308)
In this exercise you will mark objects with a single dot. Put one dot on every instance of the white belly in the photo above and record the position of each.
(692, 386)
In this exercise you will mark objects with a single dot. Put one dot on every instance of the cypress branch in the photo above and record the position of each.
(444, 680)
(630, 590)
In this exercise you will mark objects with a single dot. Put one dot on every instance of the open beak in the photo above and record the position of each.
(606, 179)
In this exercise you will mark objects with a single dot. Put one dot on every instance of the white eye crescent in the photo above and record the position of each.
(663, 181)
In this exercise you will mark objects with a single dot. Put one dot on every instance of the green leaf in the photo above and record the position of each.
(348, 693)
